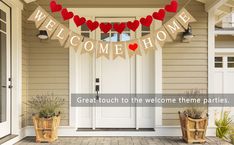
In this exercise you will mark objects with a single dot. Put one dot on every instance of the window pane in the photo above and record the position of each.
(2, 26)
(115, 37)
(218, 59)
(105, 36)
(144, 28)
(230, 65)
(231, 59)
(2, 15)
(3, 77)
(218, 65)
(125, 37)
(84, 28)
(144, 33)
(85, 34)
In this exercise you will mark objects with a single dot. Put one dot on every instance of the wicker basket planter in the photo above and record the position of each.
(46, 129)
(193, 130)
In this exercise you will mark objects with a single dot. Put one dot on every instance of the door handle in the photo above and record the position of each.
(97, 88)
(10, 86)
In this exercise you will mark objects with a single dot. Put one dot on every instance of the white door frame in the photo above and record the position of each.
(116, 12)
(6, 125)
(16, 55)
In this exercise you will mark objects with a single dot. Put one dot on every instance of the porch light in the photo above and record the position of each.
(42, 35)
(187, 35)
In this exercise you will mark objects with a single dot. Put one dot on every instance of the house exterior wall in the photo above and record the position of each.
(47, 63)
(185, 65)
(46, 68)
(25, 71)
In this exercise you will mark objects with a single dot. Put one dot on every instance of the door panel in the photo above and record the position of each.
(4, 70)
(116, 77)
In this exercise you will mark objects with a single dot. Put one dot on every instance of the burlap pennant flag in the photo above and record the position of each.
(133, 48)
(38, 16)
(161, 36)
(118, 49)
(147, 43)
(88, 46)
(103, 49)
(61, 34)
(184, 18)
(50, 25)
(173, 27)
(74, 41)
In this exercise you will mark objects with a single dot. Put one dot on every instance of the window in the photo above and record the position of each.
(145, 30)
(85, 31)
(113, 35)
(230, 61)
(218, 62)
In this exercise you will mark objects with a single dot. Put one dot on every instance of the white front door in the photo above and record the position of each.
(116, 77)
(135, 75)
(4, 69)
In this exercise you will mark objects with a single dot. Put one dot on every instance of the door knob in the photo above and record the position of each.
(3, 86)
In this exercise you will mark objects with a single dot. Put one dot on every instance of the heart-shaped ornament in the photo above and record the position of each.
(92, 25)
(172, 7)
(133, 47)
(133, 25)
(55, 7)
(119, 27)
(66, 15)
(146, 21)
(105, 27)
(160, 15)
(79, 21)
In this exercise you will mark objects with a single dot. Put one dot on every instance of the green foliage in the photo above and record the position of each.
(223, 125)
(195, 111)
(46, 106)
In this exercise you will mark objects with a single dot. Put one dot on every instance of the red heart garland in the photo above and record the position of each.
(55, 7)
(146, 21)
(66, 15)
(119, 27)
(172, 7)
(92, 25)
(105, 27)
(160, 15)
(133, 25)
(79, 21)
(133, 47)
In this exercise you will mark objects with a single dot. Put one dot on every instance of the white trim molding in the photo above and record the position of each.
(16, 44)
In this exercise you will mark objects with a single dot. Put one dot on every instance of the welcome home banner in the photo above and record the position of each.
(123, 49)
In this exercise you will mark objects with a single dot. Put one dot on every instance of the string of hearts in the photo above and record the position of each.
(119, 27)
(69, 39)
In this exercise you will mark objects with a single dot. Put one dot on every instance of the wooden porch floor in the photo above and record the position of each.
(121, 141)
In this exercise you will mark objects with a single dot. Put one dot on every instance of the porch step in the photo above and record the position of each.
(114, 129)
(7, 138)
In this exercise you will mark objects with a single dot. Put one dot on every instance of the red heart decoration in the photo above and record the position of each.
(55, 7)
(172, 7)
(160, 15)
(119, 27)
(66, 15)
(133, 25)
(133, 47)
(105, 27)
(146, 21)
(92, 25)
(79, 21)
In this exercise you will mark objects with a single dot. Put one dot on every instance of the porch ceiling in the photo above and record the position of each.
(222, 8)
(107, 3)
